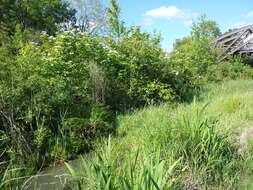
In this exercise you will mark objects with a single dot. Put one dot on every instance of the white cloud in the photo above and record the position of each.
(249, 14)
(171, 13)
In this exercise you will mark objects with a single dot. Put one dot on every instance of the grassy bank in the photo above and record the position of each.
(201, 145)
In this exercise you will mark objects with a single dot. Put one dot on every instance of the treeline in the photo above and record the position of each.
(62, 85)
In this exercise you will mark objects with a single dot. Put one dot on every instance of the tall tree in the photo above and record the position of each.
(203, 27)
(42, 15)
(90, 15)
(116, 24)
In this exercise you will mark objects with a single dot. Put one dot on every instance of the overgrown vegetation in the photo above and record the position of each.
(63, 83)
(192, 146)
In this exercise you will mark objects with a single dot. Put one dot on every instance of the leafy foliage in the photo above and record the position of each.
(203, 28)
(116, 25)
(64, 91)
(195, 55)
(60, 91)
(30, 15)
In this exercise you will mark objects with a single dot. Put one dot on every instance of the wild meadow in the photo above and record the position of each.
(195, 145)
(140, 118)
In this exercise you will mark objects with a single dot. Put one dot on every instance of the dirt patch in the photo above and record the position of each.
(246, 136)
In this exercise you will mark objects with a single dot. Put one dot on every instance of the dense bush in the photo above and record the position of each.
(196, 56)
(135, 71)
(234, 68)
(45, 87)
(63, 92)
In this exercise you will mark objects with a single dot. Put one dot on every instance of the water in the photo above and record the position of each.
(53, 178)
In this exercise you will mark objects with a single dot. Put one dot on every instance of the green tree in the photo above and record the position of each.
(180, 42)
(43, 15)
(116, 24)
(193, 55)
(203, 27)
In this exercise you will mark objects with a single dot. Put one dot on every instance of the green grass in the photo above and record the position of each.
(188, 146)
(185, 146)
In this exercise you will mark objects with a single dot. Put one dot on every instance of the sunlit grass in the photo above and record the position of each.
(187, 146)
(201, 138)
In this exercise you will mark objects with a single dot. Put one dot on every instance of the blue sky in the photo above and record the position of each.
(172, 18)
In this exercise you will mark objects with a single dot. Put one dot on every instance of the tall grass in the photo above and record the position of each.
(13, 177)
(208, 155)
(137, 172)
(190, 146)
(198, 141)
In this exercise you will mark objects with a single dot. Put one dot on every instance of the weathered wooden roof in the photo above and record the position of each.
(237, 41)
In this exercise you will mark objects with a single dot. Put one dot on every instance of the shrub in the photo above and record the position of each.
(135, 71)
(234, 68)
(70, 87)
(44, 82)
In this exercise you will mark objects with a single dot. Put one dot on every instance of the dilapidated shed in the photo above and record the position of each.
(237, 41)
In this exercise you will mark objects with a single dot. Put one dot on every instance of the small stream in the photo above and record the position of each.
(53, 178)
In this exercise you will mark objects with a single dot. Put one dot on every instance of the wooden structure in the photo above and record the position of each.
(237, 41)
